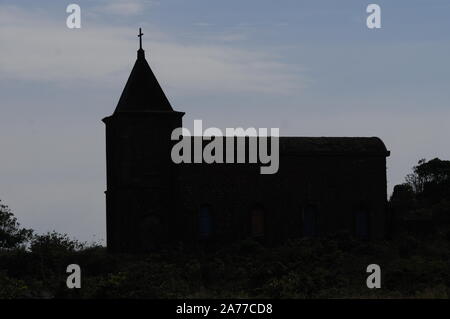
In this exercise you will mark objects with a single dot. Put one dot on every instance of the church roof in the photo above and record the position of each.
(332, 145)
(142, 93)
(327, 146)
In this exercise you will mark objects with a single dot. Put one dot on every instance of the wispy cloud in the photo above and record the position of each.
(203, 24)
(40, 48)
(125, 7)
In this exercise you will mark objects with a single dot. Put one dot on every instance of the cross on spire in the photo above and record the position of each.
(140, 38)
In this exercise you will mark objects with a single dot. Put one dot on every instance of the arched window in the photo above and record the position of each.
(257, 222)
(205, 222)
(362, 224)
(309, 220)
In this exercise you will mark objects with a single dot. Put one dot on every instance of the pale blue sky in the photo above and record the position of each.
(312, 68)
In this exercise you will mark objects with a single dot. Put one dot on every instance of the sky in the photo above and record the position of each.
(311, 68)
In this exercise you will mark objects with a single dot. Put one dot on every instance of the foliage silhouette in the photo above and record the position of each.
(11, 234)
(34, 266)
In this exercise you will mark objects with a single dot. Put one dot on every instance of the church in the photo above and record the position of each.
(324, 185)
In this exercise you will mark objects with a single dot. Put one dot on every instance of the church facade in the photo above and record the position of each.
(324, 185)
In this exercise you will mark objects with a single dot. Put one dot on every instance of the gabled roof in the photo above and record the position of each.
(332, 145)
(326, 146)
(142, 93)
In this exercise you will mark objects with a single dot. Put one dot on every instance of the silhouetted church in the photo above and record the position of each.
(324, 184)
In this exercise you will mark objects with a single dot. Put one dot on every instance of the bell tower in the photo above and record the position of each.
(141, 177)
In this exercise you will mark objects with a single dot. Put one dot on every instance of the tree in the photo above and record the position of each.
(11, 234)
(433, 172)
(426, 192)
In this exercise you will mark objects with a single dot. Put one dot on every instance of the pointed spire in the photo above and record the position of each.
(142, 93)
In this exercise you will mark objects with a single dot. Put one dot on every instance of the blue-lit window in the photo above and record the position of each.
(205, 222)
(310, 221)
